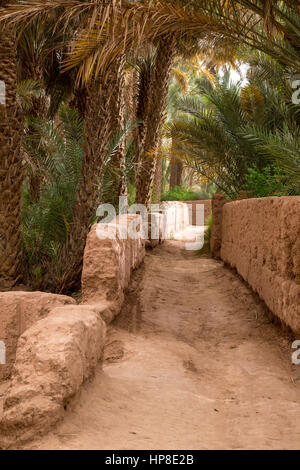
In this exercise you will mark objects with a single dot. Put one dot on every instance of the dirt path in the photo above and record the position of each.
(191, 363)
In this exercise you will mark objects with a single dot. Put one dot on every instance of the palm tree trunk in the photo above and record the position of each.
(118, 186)
(79, 100)
(176, 173)
(11, 171)
(157, 97)
(117, 165)
(157, 187)
(103, 96)
(129, 95)
(143, 81)
(191, 178)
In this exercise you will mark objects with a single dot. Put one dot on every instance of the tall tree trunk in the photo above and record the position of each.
(129, 95)
(79, 100)
(164, 175)
(157, 98)
(176, 169)
(157, 183)
(103, 96)
(117, 170)
(191, 178)
(142, 86)
(176, 174)
(157, 187)
(117, 165)
(173, 174)
(11, 171)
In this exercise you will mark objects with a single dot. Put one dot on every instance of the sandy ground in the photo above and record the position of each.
(192, 362)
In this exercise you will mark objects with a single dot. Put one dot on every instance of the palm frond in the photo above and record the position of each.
(57, 161)
(182, 79)
(26, 91)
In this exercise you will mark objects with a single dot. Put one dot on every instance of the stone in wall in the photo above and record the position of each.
(19, 311)
(54, 357)
(108, 264)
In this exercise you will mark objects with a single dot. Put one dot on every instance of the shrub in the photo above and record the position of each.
(180, 193)
(267, 182)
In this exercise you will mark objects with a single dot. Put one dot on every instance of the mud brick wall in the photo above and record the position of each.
(261, 239)
(18, 312)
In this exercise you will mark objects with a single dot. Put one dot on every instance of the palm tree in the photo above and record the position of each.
(157, 185)
(205, 134)
(176, 173)
(103, 116)
(179, 86)
(255, 127)
(47, 220)
(11, 171)
(143, 69)
(31, 52)
(117, 164)
(157, 99)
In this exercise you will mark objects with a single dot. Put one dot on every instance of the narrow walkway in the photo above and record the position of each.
(191, 363)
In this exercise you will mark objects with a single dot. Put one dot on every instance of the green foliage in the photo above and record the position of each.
(56, 161)
(207, 134)
(27, 90)
(180, 193)
(47, 221)
(267, 182)
(227, 128)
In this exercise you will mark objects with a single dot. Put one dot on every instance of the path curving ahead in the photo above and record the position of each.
(192, 362)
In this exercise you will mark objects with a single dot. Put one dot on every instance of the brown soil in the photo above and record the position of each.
(192, 362)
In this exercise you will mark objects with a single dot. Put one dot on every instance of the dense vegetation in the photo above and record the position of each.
(241, 137)
(136, 98)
